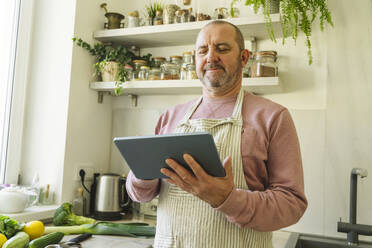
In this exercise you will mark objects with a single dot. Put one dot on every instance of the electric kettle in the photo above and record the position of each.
(111, 198)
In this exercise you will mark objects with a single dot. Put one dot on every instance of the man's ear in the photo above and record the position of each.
(244, 57)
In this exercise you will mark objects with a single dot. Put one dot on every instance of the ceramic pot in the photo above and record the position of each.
(14, 202)
(109, 71)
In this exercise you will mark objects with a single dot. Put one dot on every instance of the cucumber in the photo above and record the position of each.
(49, 239)
(20, 240)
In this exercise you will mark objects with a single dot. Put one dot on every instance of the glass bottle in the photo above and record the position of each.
(78, 204)
(187, 59)
(192, 17)
(129, 71)
(265, 64)
(191, 72)
(170, 71)
(144, 73)
(137, 67)
(158, 20)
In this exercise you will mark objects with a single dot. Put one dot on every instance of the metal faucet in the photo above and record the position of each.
(352, 228)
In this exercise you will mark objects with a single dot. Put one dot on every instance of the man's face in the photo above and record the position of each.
(218, 58)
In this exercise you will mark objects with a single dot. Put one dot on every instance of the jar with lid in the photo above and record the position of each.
(176, 60)
(169, 13)
(265, 64)
(128, 72)
(247, 68)
(137, 68)
(133, 19)
(158, 20)
(191, 17)
(191, 72)
(180, 16)
(170, 71)
(158, 61)
(187, 59)
(144, 73)
(155, 73)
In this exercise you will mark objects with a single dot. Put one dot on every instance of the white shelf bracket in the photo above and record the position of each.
(134, 100)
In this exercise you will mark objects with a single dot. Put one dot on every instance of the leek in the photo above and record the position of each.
(106, 228)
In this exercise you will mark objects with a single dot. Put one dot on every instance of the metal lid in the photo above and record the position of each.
(159, 58)
(186, 53)
(139, 61)
(176, 57)
(266, 53)
(145, 67)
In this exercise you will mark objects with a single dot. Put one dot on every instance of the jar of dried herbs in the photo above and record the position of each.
(158, 20)
(265, 64)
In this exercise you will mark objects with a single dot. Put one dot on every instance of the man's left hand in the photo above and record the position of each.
(213, 190)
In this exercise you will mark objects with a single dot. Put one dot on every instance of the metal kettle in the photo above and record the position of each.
(111, 198)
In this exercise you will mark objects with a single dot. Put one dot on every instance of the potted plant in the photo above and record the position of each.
(152, 8)
(295, 15)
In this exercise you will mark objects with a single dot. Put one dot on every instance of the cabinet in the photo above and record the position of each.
(252, 27)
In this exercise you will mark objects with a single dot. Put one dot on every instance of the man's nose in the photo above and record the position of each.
(212, 56)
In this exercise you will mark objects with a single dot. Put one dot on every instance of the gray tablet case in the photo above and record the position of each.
(146, 155)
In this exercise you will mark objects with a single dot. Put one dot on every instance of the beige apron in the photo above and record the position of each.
(183, 220)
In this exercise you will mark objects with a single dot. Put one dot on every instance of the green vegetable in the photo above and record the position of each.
(107, 228)
(9, 227)
(49, 239)
(64, 217)
(20, 240)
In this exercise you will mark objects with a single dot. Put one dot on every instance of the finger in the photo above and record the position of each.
(175, 179)
(195, 166)
(180, 171)
(227, 165)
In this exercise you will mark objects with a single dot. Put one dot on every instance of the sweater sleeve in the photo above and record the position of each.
(143, 190)
(283, 201)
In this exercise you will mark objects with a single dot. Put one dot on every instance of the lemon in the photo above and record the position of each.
(34, 229)
(3, 239)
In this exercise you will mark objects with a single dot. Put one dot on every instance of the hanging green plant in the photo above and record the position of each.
(295, 15)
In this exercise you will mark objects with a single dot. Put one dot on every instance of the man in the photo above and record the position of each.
(263, 189)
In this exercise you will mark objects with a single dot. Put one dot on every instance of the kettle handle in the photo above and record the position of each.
(123, 193)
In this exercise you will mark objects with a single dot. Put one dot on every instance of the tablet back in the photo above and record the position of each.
(146, 155)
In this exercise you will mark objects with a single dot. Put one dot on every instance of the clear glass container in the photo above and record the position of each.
(220, 13)
(158, 61)
(186, 60)
(133, 21)
(191, 16)
(169, 13)
(176, 60)
(191, 72)
(144, 73)
(137, 68)
(129, 71)
(181, 16)
(158, 20)
(265, 64)
(170, 71)
(155, 73)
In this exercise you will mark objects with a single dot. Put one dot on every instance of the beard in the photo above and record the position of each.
(219, 80)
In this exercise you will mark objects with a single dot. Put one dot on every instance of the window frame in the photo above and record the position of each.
(20, 77)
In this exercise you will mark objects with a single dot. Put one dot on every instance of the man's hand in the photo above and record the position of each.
(213, 190)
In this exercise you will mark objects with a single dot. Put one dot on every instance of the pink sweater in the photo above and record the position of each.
(271, 162)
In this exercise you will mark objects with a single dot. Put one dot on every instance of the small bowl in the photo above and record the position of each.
(13, 201)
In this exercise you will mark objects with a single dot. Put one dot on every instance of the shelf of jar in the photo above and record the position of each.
(184, 33)
(263, 85)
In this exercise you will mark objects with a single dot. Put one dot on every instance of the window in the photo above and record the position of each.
(16, 20)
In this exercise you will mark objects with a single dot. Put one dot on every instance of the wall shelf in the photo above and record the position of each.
(264, 85)
(183, 33)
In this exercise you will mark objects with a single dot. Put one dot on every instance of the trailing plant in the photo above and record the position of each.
(295, 15)
(152, 7)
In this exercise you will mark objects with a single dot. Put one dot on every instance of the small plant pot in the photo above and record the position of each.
(109, 71)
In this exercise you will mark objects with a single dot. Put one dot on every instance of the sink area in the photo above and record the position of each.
(298, 240)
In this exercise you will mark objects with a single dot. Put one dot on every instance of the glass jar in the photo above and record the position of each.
(176, 60)
(158, 20)
(180, 16)
(170, 71)
(144, 73)
(133, 21)
(247, 67)
(187, 59)
(191, 72)
(220, 13)
(169, 13)
(191, 17)
(155, 74)
(129, 71)
(265, 64)
(158, 61)
(137, 68)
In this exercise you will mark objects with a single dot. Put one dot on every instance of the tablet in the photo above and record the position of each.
(146, 155)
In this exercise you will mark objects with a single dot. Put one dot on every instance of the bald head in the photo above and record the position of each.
(238, 34)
